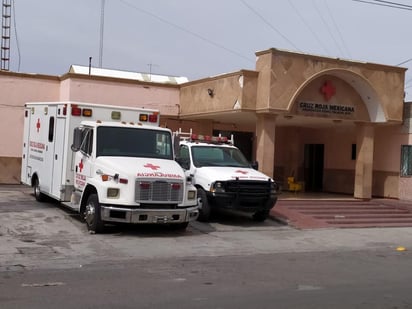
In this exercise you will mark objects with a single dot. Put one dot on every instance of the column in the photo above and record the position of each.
(265, 143)
(364, 161)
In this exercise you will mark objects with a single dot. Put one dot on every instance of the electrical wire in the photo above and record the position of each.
(327, 27)
(15, 34)
(309, 27)
(269, 24)
(163, 20)
(387, 4)
(337, 29)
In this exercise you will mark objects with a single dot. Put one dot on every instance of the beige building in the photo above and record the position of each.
(333, 125)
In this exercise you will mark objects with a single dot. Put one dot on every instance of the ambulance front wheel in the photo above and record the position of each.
(40, 197)
(92, 215)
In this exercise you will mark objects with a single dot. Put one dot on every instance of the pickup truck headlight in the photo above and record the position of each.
(218, 186)
(274, 188)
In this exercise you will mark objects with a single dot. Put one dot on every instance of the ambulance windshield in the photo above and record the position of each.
(133, 142)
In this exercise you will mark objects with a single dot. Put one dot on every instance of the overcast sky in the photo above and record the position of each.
(198, 39)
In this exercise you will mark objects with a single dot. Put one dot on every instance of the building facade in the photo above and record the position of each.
(333, 125)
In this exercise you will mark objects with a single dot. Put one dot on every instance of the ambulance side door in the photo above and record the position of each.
(84, 160)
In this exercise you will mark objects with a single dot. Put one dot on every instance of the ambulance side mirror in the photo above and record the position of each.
(77, 139)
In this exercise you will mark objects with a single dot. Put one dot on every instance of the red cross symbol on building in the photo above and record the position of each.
(328, 90)
(153, 167)
(38, 124)
(241, 172)
(81, 165)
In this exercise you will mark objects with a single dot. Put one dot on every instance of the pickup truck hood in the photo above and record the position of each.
(140, 167)
(210, 174)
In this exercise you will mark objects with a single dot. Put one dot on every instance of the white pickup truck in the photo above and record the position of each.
(223, 177)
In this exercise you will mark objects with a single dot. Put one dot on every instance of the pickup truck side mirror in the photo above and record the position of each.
(184, 163)
(255, 165)
(77, 140)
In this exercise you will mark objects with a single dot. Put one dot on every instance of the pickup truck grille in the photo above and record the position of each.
(158, 191)
(248, 187)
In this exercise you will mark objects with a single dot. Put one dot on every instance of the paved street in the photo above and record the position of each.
(48, 259)
(44, 235)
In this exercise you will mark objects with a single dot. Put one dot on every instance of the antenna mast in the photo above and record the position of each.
(5, 35)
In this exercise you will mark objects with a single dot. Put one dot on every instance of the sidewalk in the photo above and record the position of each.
(313, 211)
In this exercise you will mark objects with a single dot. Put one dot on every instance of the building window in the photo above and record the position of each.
(406, 160)
(51, 129)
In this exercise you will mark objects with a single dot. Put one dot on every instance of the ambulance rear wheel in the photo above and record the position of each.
(204, 206)
(40, 197)
(92, 215)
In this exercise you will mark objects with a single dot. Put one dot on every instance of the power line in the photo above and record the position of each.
(187, 31)
(403, 62)
(337, 29)
(309, 27)
(387, 4)
(269, 24)
(327, 27)
(101, 33)
(17, 38)
(394, 3)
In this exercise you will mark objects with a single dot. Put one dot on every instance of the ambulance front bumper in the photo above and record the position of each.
(148, 216)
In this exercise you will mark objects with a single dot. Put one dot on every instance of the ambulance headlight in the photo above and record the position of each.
(113, 192)
(191, 195)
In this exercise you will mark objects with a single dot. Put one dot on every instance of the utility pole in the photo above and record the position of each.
(101, 33)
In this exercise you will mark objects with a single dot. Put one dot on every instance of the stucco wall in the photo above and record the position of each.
(283, 74)
(121, 92)
(234, 91)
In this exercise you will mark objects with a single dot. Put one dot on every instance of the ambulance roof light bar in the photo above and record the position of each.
(189, 136)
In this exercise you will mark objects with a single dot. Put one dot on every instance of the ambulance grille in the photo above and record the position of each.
(159, 191)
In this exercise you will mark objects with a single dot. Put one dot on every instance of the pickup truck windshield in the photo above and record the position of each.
(218, 156)
(133, 142)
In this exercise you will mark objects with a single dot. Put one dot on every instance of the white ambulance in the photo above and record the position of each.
(109, 163)
(223, 177)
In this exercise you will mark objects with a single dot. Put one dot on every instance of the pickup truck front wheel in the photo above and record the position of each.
(204, 206)
(260, 215)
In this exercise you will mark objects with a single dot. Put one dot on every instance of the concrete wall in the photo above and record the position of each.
(16, 89)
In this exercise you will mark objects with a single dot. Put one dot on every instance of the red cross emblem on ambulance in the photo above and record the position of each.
(153, 167)
(241, 172)
(81, 165)
(38, 124)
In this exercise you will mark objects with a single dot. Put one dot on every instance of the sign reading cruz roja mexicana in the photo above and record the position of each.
(311, 107)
